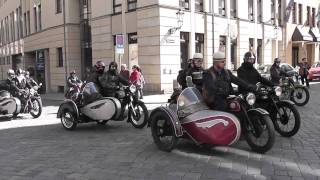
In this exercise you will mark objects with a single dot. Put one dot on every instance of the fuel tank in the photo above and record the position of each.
(212, 127)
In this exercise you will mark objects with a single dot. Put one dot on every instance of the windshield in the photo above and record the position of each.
(286, 67)
(316, 65)
(188, 97)
(90, 92)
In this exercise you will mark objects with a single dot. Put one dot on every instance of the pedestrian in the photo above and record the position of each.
(135, 79)
(124, 72)
(142, 82)
(304, 71)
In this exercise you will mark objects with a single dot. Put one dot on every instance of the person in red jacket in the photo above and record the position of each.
(135, 79)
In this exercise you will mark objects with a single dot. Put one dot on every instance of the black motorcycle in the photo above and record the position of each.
(297, 93)
(283, 113)
(255, 122)
(31, 102)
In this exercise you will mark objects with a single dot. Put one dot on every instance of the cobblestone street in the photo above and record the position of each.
(42, 149)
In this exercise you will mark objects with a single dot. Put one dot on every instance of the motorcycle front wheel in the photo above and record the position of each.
(283, 119)
(300, 96)
(138, 118)
(36, 108)
(162, 131)
(261, 136)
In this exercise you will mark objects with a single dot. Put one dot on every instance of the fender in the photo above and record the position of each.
(173, 117)
(70, 105)
(259, 110)
(285, 102)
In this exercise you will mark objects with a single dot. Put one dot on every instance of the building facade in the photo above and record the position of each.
(160, 35)
(35, 34)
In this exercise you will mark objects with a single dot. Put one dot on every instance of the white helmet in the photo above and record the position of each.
(197, 56)
(10, 72)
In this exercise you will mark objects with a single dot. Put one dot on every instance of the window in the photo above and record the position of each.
(279, 12)
(300, 13)
(222, 7)
(117, 7)
(39, 16)
(273, 13)
(132, 38)
(7, 29)
(308, 16)
(259, 11)
(222, 43)
(251, 44)
(25, 23)
(313, 22)
(35, 19)
(58, 6)
(199, 43)
(233, 8)
(199, 5)
(259, 51)
(184, 4)
(20, 22)
(12, 27)
(8, 60)
(132, 5)
(184, 49)
(250, 13)
(294, 13)
(17, 24)
(1, 33)
(28, 22)
(60, 57)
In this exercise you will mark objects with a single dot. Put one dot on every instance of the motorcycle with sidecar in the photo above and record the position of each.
(191, 118)
(92, 107)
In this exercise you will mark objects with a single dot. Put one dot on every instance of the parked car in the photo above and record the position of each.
(264, 70)
(314, 72)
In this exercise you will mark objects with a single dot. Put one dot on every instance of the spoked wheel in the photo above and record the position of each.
(287, 120)
(139, 118)
(163, 131)
(300, 96)
(35, 108)
(68, 120)
(261, 136)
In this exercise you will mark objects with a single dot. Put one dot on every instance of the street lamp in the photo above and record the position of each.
(180, 15)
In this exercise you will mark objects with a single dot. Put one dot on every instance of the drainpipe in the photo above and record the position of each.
(65, 40)
(212, 26)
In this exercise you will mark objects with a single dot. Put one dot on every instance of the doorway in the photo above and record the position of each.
(295, 56)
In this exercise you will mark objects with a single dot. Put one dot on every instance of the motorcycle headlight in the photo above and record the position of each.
(133, 89)
(251, 99)
(278, 91)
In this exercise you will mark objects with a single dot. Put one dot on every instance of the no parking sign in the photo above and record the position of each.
(120, 44)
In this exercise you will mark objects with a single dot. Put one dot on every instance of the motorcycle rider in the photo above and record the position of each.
(182, 74)
(195, 72)
(218, 83)
(276, 72)
(12, 83)
(30, 81)
(249, 74)
(99, 68)
(72, 82)
(110, 81)
(21, 80)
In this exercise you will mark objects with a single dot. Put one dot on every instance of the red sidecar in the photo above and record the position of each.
(191, 118)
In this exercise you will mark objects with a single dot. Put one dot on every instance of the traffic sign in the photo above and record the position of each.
(120, 44)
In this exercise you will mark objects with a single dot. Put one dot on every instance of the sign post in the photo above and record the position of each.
(120, 46)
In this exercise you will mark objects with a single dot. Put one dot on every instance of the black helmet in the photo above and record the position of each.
(277, 60)
(248, 56)
(99, 66)
(113, 64)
